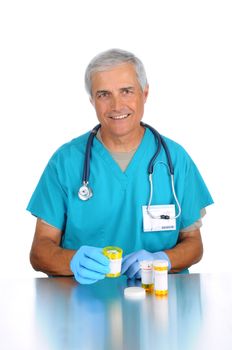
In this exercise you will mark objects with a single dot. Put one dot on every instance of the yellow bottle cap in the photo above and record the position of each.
(160, 265)
(112, 252)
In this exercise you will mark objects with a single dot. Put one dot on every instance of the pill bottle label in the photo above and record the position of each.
(114, 254)
(146, 267)
(147, 276)
(160, 277)
(161, 281)
(115, 268)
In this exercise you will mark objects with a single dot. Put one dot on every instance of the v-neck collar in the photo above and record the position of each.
(114, 168)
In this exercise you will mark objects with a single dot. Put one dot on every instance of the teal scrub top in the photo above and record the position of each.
(113, 216)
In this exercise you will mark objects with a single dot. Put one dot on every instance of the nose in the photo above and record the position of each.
(116, 102)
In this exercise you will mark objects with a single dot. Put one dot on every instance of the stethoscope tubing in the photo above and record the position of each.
(85, 192)
(160, 142)
(86, 168)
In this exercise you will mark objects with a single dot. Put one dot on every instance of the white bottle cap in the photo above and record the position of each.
(146, 264)
(134, 292)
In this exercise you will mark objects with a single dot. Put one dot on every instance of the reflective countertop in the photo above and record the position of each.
(59, 314)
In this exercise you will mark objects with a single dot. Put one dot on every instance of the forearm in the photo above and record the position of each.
(51, 259)
(187, 252)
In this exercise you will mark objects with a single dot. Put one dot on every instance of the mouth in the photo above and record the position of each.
(119, 116)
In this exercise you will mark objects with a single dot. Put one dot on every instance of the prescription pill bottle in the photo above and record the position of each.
(146, 267)
(160, 269)
(115, 256)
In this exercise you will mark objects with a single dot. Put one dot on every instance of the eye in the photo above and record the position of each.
(127, 91)
(102, 94)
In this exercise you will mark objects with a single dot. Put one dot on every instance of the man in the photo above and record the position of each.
(70, 232)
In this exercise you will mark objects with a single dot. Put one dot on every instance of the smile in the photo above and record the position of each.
(119, 117)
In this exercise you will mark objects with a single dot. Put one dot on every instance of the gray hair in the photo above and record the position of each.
(111, 58)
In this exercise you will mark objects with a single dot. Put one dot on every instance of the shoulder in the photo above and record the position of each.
(178, 153)
(73, 149)
(75, 144)
(175, 147)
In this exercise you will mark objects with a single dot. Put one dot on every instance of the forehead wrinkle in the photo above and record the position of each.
(127, 88)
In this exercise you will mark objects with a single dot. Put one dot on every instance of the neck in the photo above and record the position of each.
(122, 143)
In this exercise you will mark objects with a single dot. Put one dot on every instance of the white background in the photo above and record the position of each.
(44, 49)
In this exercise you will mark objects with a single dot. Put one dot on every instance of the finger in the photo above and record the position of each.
(127, 262)
(132, 270)
(128, 256)
(82, 280)
(93, 265)
(97, 255)
(138, 274)
(86, 273)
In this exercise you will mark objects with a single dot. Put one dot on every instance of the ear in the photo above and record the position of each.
(92, 101)
(145, 93)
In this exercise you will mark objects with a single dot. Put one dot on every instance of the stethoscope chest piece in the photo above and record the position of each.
(85, 192)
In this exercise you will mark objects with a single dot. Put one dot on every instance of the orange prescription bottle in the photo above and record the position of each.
(160, 269)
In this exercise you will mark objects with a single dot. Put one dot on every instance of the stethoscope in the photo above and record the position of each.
(85, 192)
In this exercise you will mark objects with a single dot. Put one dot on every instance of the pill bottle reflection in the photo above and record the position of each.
(147, 283)
(114, 254)
(160, 269)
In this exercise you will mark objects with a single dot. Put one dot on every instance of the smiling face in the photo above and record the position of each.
(119, 101)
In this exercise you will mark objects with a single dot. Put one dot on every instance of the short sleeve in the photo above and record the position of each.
(49, 200)
(196, 196)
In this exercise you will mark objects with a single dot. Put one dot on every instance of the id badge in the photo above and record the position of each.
(150, 224)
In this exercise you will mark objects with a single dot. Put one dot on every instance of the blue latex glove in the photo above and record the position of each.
(130, 263)
(89, 265)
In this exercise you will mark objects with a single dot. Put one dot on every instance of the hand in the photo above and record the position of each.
(130, 263)
(89, 265)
